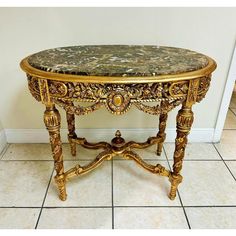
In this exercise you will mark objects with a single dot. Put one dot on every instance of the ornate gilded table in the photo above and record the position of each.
(118, 77)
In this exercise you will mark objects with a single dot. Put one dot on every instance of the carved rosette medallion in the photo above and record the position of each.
(118, 102)
(57, 89)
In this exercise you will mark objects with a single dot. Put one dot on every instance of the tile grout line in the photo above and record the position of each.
(107, 207)
(225, 163)
(58, 207)
(189, 226)
(44, 199)
(3, 152)
(161, 206)
(186, 217)
(126, 160)
(19, 207)
(229, 129)
(232, 111)
(112, 200)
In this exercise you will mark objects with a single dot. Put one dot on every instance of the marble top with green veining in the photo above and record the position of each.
(118, 60)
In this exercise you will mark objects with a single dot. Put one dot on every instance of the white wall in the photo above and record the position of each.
(1, 126)
(3, 140)
(24, 31)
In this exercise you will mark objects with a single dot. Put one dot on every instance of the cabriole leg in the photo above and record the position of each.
(184, 122)
(161, 133)
(52, 121)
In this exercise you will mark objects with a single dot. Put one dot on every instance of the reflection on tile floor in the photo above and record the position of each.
(119, 194)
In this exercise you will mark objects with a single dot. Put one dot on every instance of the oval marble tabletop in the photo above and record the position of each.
(118, 61)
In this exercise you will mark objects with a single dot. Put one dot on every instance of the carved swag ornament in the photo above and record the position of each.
(118, 98)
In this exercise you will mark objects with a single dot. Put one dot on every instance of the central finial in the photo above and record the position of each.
(118, 134)
(118, 142)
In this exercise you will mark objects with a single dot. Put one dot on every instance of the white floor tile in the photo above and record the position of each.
(36, 151)
(212, 217)
(207, 183)
(227, 145)
(76, 218)
(194, 151)
(18, 218)
(28, 151)
(230, 122)
(91, 189)
(232, 167)
(135, 186)
(24, 183)
(149, 218)
(150, 153)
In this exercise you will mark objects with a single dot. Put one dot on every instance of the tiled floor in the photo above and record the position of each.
(119, 194)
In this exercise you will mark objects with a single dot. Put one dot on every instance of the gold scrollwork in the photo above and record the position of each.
(204, 85)
(96, 92)
(178, 89)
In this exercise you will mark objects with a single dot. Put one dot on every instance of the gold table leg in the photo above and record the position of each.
(52, 121)
(161, 133)
(184, 122)
(71, 129)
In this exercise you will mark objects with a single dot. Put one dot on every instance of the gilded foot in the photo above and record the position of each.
(175, 181)
(60, 181)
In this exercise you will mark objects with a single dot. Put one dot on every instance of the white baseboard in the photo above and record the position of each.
(41, 135)
(3, 140)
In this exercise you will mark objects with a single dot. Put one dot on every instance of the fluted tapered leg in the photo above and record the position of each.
(184, 122)
(52, 121)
